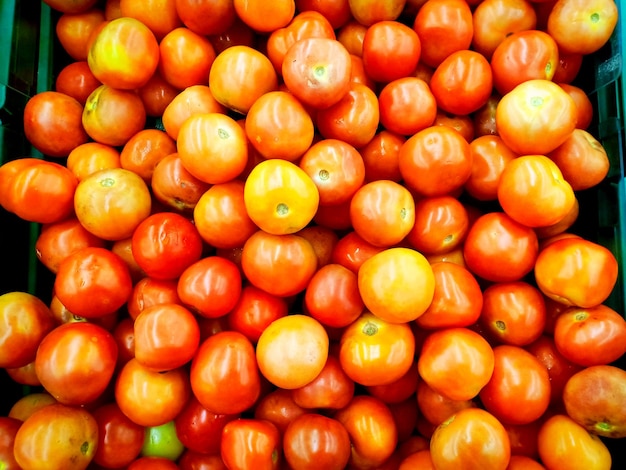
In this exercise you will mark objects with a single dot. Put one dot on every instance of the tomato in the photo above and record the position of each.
(499, 249)
(239, 76)
(472, 438)
(82, 354)
(76, 80)
(250, 443)
(162, 441)
(494, 20)
(73, 31)
(435, 161)
(185, 58)
(292, 351)
(580, 330)
(191, 460)
(206, 17)
(535, 117)
(351, 35)
(307, 23)
(37, 190)
(174, 186)
(419, 459)
(391, 50)
(93, 282)
(323, 240)
(158, 15)
(583, 160)
(407, 105)
(513, 312)
(313, 440)
(278, 126)
(112, 116)
(437, 408)
(336, 168)
(210, 286)
(55, 435)
(224, 374)
(278, 407)
(371, 428)
(521, 56)
(90, 157)
(337, 13)
(576, 272)
(397, 284)
(317, 71)
(71, 7)
(332, 296)
(353, 119)
(143, 151)
(8, 430)
(119, 439)
(331, 389)
(199, 429)
(444, 27)
(29, 403)
(124, 54)
(152, 463)
(457, 299)
(281, 265)
(24, 322)
(563, 442)
(595, 20)
(441, 225)
(156, 94)
(53, 123)
(399, 391)
(490, 155)
(462, 83)
(456, 362)
(352, 250)
(522, 462)
(361, 346)
(583, 104)
(254, 311)
(280, 197)
(380, 156)
(382, 212)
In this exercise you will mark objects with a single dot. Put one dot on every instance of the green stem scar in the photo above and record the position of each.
(500, 325)
(595, 17)
(370, 329)
(282, 209)
(324, 175)
(222, 134)
(107, 182)
(536, 101)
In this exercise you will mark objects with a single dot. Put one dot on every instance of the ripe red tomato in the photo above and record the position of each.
(224, 374)
(407, 105)
(251, 443)
(119, 439)
(254, 311)
(185, 58)
(437, 408)
(279, 408)
(331, 389)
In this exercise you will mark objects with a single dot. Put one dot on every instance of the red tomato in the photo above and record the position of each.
(407, 105)
(224, 374)
(185, 58)
(316, 441)
(254, 311)
(76, 361)
(499, 249)
(279, 408)
(331, 389)
(165, 244)
(398, 391)
(119, 439)
(206, 17)
(93, 282)
(250, 443)
(380, 156)
(210, 286)
(8, 430)
(437, 408)
(490, 156)
(352, 250)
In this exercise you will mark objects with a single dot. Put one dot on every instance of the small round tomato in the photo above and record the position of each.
(143, 151)
(398, 391)
(210, 286)
(224, 375)
(255, 310)
(90, 157)
(174, 186)
(437, 408)
(397, 284)
(351, 251)
(576, 271)
(331, 389)
(81, 354)
(498, 249)
(456, 362)
(93, 282)
(250, 443)
(124, 54)
(380, 156)
(165, 244)
(281, 265)
(185, 58)
(24, 322)
(292, 351)
(317, 71)
(209, 18)
(316, 441)
(470, 435)
(55, 435)
(279, 408)
(407, 105)
(365, 350)
(280, 197)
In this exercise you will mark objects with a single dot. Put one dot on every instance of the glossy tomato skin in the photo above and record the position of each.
(55, 435)
(250, 443)
(255, 310)
(25, 320)
(278, 407)
(224, 374)
(81, 354)
(331, 389)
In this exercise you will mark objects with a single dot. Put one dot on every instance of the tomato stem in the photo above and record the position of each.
(370, 329)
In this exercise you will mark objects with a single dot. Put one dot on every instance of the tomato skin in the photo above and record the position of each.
(224, 375)
(25, 320)
(55, 435)
(407, 105)
(576, 272)
(489, 158)
(499, 249)
(250, 443)
(472, 438)
(93, 282)
(331, 389)
(8, 430)
(79, 353)
(313, 440)
(437, 408)
(360, 349)
(599, 328)
(255, 310)
(562, 441)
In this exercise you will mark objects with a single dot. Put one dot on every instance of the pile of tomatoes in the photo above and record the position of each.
(309, 234)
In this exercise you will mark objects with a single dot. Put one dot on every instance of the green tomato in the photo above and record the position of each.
(162, 441)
